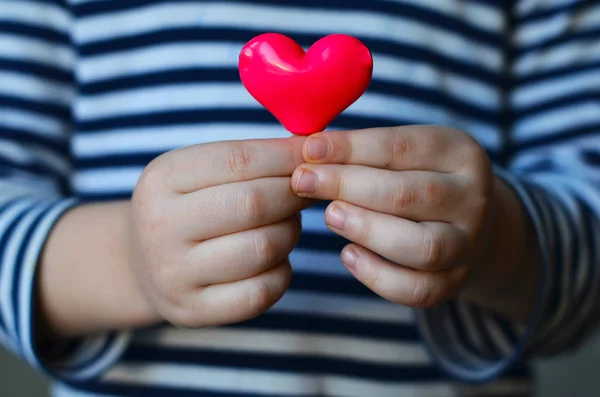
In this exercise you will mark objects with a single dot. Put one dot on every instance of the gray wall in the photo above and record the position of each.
(582, 378)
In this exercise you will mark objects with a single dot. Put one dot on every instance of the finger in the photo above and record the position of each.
(240, 255)
(196, 167)
(430, 148)
(236, 301)
(398, 284)
(232, 208)
(430, 246)
(415, 195)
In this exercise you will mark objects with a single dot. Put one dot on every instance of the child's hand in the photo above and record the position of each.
(414, 200)
(213, 227)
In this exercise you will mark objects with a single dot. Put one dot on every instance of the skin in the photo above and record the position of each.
(206, 237)
(427, 218)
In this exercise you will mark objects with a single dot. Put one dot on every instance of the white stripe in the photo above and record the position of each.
(34, 154)
(271, 18)
(9, 263)
(313, 220)
(315, 262)
(565, 55)
(60, 390)
(162, 139)
(278, 383)
(157, 58)
(374, 309)
(547, 90)
(26, 185)
(290, 343)
(37, 51)
(35, 13)
(26, 279)
(34, 88)
(112, 180)
(34, 123)
(560, 119)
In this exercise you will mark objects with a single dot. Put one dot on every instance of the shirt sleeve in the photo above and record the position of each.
(36, 92)
(554, 167)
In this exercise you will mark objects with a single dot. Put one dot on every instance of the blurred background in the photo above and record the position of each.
(574, 375)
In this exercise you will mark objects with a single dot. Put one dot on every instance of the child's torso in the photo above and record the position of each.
(153, 76)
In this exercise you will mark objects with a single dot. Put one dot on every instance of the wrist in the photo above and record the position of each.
(84, 280)
(506, 278)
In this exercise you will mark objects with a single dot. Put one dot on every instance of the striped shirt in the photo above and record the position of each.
(91, 91)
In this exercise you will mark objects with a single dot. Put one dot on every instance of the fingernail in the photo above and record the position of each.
(317, 148)
(336, 218)
(307, 182)
(350, 258)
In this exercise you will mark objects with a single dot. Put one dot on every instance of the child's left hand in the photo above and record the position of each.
(415, 200)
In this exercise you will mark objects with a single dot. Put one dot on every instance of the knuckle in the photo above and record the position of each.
(402, 145)
(420, 294)
(404, 198)
(239, 160)
(473, 154)
(433, 247)
(253, 205)
(261, 296)
(265, 248)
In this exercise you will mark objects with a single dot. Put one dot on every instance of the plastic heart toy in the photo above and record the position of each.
(305, 91)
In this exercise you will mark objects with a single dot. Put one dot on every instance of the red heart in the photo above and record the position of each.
(305, 91)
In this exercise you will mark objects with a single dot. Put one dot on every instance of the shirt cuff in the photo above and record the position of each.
(476, 345)
(78, 360)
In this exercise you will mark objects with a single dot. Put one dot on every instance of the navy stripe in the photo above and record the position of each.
(88, 197)
(30, 31)
(57, 3)
(322, 242)
(589, 95)
(241, 36)
(557, 137)
(53, 110)
(330, 284)
(590, 157)
(51, 73)
(571, 70)
(330, 326)
(589, 36)
(112, 161)
(126, 390)
(26, 137)
(217, 115)
(386, 8)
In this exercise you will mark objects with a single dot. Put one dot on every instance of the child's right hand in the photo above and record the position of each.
(213, 225)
